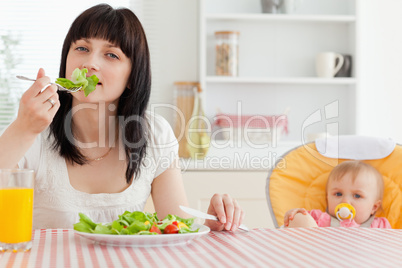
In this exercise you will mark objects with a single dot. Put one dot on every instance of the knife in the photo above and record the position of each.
(202, 215)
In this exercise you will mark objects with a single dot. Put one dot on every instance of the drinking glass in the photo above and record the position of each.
(16, 205)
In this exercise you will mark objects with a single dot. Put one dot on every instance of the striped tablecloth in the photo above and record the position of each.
(315, 247)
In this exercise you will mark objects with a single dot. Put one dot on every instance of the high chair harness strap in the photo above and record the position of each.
(367, 224)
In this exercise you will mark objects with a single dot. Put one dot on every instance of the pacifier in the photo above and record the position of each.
(345, 211)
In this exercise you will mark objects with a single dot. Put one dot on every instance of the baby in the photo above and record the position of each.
(352, 182)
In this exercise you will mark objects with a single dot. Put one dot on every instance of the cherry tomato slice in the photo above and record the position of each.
(155, 229)
(171, 229)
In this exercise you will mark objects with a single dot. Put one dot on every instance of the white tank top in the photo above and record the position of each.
(57, 203)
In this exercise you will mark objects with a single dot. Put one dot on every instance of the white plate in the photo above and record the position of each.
(147, 240)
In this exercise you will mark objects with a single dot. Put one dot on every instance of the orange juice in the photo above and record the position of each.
(16, 206)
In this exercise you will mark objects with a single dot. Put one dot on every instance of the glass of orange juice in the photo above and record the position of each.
(16, 205)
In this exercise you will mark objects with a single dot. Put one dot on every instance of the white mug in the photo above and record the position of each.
(325, 64)
(290, 6)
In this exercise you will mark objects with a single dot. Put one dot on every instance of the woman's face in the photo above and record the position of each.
(362, 194)
(104, 60)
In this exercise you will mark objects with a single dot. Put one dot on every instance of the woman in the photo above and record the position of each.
(101, 154)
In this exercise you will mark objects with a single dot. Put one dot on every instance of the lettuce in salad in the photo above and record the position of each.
(137, 223)
(78, 79)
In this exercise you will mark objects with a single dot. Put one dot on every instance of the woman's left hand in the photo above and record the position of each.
(227, 210)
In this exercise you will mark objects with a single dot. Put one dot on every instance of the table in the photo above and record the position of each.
(308, 247)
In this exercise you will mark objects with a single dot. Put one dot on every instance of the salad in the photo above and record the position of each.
(137, 223)
(78, 79)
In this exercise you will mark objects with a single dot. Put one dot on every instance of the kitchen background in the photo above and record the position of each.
(276, 72)
(268, 48)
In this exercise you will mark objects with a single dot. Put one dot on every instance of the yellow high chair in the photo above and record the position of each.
(299, 178)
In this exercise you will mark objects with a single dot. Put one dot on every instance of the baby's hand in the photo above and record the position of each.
(290, 214)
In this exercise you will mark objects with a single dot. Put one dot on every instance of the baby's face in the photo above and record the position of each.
(361, 194)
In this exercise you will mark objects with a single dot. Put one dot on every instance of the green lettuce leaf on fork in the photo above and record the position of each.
(78, 79)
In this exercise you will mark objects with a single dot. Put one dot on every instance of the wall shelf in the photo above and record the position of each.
(276, 56)
(285, 80)
(282, 18)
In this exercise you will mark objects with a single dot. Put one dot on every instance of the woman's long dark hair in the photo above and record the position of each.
(122, 28)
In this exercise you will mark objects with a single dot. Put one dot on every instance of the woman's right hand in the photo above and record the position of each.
(290, 214)
(35, 112)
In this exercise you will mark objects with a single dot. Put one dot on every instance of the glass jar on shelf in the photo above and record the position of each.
(227, 53)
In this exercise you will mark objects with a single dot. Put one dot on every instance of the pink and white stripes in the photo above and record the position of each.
(315, 247)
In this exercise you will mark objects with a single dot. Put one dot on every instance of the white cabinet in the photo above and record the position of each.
(277, 63)
(247, 187)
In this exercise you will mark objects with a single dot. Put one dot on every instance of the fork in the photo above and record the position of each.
(60, 88)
